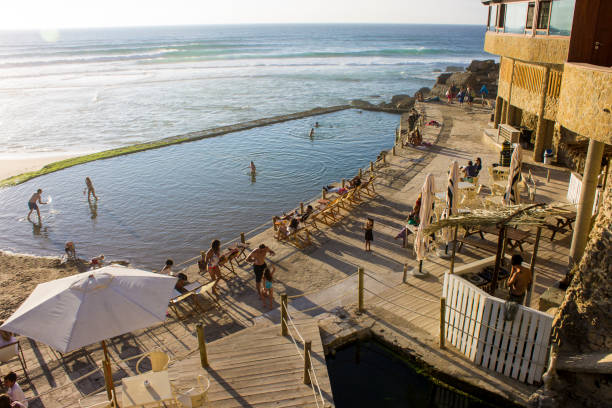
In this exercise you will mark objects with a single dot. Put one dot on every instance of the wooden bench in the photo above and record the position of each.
(193, 290)
(477, 243)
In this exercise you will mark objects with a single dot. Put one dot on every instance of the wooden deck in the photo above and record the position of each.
(257, 367)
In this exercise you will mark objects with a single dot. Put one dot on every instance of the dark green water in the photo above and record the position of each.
(368, 374)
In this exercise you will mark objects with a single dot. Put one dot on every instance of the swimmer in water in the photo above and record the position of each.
(311, 132)
(252, 167)
(36, 197)
(316, 124)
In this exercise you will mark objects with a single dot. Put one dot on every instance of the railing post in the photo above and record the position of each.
(384, 157)
(360, 173)
(323, 194)
(360, 272)
(371, 167)
(393, 150)
(284, 329)
(301, 208)
(343, 183)
(405, 277)
(202, 346)
(307, 362)
(274, 223)
(242, 240)
(442, 321)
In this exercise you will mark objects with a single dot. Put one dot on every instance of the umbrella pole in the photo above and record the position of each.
(110, 386)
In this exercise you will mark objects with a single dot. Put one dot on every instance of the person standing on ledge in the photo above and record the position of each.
(36, 197)
(90, 189)
(258, 257)
(252, 167)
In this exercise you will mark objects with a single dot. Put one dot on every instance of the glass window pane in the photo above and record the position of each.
(530, 13)
(561, 17)
(543, 15)
(516, 14)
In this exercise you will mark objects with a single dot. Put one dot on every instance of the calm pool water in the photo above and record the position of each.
(172, 202)
(367, 374)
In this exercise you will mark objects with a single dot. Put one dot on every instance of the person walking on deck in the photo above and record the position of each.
(369, 234)
(258, 258)
(32, 204)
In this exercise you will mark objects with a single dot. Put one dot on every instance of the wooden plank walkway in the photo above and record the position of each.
(257, 367)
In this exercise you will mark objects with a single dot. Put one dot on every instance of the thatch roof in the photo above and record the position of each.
(512, 215)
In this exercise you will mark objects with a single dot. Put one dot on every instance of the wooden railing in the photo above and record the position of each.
(554, 83)
(528, 77)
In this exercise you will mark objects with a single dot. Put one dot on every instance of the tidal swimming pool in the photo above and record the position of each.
(368, 374)
(171, 202)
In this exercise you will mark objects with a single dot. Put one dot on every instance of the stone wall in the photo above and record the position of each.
(585, 103)
(583, 323)
(545, 50)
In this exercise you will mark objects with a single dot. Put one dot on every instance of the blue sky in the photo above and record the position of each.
(34, 14)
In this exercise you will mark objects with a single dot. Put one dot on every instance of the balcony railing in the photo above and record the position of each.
(554, 83)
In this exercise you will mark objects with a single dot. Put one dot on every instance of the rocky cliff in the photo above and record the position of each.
(477, 74)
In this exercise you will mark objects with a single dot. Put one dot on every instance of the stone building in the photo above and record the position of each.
(556, 75)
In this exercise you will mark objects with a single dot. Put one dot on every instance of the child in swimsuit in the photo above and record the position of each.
(268, 291)
(369, 235)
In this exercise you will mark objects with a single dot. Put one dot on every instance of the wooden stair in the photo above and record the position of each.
(257, 367)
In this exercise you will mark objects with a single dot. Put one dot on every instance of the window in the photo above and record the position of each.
(530, 14)
(561, 17)
(515, 18)
(501, 15)
(543, 15)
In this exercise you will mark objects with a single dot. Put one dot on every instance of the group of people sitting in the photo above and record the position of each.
(14, 396)
(471, 170)
(352, 183)
(288, 224)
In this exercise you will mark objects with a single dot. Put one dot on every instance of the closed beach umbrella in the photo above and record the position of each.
(89, 307)
(427, 197)
(451, 198)
(512, 195)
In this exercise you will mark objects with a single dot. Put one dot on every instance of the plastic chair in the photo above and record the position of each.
(159, 361)
(11, 351)
(195, 397)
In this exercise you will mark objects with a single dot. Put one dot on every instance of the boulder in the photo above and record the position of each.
(482, 66)
(361, 103)
(442, 78)
(424, 91)
(454, 68)
(405, 103)
(462, 80)
(398, 98)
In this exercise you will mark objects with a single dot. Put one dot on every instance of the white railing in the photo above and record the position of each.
(475, 324)
(574, 189)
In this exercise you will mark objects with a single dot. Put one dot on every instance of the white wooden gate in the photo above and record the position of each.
(475, 325)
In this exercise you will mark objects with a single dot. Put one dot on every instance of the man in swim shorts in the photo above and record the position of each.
(33, 206)
(258, 257)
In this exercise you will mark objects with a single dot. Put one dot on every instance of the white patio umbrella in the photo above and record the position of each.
(420, 240)
(451, 199)
(512, 195)
(93, 306)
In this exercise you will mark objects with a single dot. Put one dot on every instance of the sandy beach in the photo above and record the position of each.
(13, 167)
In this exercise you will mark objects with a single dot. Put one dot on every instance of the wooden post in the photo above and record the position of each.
(323, 194)
(384, 157)
(442, 322)
(307, 362)
(548, 176)
(202, 346)
(360, 272)
(274, 223)
(393, 150)
(498, 258)
(371, 167)
(405, 277)
(343, 183)
(452, 265)
(284, 329)
(532, 266)
(242, 240)
(301, 208)
(360, 173)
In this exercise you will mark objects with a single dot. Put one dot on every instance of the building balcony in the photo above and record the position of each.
(585, 103)
(537, 49)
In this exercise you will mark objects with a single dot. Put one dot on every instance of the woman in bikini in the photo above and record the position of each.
(213, 257)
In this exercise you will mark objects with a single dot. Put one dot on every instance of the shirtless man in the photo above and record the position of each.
(252, 167)
(258, 257)
(519, 280)
(33, 206)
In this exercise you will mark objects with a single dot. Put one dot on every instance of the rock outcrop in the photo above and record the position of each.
(477, 74)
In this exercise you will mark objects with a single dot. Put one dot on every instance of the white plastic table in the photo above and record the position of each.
(136, 394)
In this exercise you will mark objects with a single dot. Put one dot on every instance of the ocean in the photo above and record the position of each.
(80, 91)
